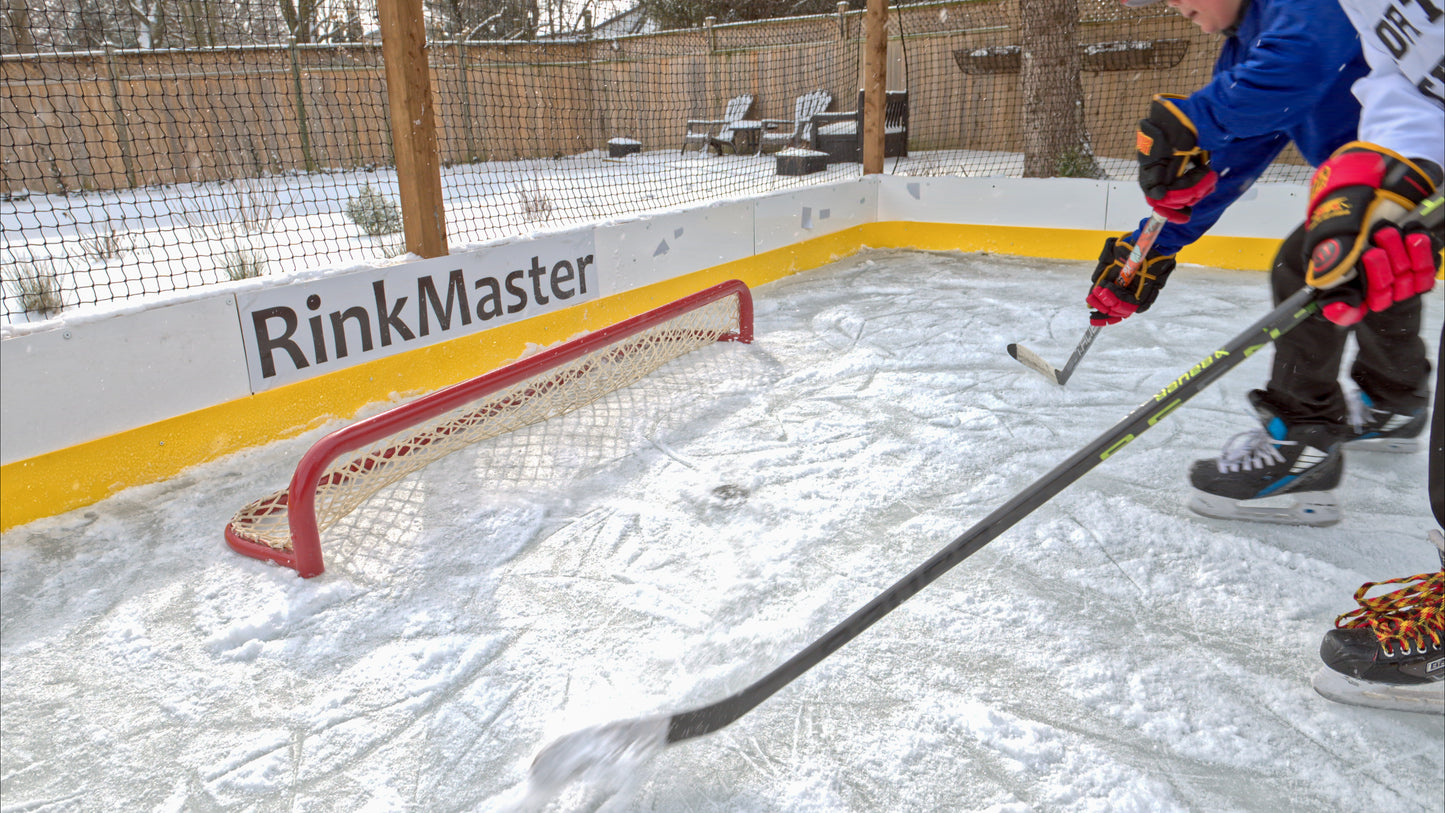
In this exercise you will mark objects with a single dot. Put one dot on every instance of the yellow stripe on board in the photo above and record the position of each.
(79, 475)
(1243, 253)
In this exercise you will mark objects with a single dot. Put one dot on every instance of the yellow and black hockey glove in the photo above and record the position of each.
(1114, 300)
(1173, 171)
(1356, 248)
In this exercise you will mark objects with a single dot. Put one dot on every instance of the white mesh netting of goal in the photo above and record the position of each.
(347, 467)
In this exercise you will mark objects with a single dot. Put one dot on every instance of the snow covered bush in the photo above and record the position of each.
(38, 289)
(244, 263)
(104, 245)
(373, 212)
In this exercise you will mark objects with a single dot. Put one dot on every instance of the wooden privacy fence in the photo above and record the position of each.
(115, 119)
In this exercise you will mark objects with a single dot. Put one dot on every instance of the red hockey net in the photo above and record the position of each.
(349, 466)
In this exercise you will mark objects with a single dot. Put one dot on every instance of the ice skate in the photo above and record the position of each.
(1380, 430)
(1278, 473)
(1390, 652)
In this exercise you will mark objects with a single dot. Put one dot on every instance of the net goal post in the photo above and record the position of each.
(352, 464)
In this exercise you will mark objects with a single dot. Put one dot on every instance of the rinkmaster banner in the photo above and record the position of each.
(298, 331)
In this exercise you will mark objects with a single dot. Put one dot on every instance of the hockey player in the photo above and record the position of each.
(1390, 652)
(1283, 74)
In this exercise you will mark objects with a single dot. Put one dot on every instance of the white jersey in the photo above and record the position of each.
(1403, 96)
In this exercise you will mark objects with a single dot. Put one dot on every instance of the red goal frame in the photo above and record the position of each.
(298, 501)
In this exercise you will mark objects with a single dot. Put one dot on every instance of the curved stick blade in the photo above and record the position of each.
(1034, 361)
(598, 753)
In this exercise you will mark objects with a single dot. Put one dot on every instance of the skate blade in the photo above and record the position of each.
(1424, 698)
(1388, 445)
(1314, 508)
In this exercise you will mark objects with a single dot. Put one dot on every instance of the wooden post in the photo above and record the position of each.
(875, 70)
(413, 126)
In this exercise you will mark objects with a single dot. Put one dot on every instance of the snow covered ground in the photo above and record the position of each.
(144, 244)
(1112, 652)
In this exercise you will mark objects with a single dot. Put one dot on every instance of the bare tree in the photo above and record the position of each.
(149, 20)
(674, 14)
(69, 25)
(1055, 140)
(93, 28)
(300, 17)
(485, 19)
(349, 27)
(16, 36)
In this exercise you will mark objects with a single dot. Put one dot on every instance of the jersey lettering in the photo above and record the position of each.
(1409, 31)
(1396, 32)
(1432, 12)
(1434, 84)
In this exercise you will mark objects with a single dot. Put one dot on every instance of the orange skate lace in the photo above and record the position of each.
(1403, 618)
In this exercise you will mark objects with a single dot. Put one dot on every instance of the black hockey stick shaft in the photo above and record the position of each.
(1090, 333)
(707, 719)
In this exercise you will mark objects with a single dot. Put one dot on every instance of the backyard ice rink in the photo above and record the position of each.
(1111, 652)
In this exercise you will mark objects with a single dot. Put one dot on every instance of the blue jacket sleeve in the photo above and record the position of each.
(1239, 163)
(1283, 75)
(1273, 74)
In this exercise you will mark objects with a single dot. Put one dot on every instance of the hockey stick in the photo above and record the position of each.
(1036, 362)
(631, 741)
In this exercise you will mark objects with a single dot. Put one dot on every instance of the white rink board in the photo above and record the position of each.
(88, 378)
(150, 363)
(637, 253)
(1268, 211)
(790, 218)
(1060, 203)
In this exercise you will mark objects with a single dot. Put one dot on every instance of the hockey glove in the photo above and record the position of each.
(1173, 171)
(1113, 300)
(1354, 246)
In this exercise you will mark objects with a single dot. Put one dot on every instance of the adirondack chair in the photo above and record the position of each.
(838, 133)
(715, 133)
(798, 131)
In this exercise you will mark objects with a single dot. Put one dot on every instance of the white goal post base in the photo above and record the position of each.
(347, 467)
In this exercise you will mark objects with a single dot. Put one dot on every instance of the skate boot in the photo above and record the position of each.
(1380, 430)
(1390, 652)
(1278, 473)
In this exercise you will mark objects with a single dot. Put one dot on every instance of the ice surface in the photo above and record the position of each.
(1112, 652)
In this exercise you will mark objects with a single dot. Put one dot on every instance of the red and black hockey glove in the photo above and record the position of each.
(1114, 300)
(1173, 171)
(1355, 246)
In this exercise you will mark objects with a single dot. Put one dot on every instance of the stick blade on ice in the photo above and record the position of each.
(1034, 361)
(598, 753)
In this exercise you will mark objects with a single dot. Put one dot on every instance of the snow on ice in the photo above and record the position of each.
(1111, 652)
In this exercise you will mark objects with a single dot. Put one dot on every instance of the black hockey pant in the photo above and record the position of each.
(1390, 365)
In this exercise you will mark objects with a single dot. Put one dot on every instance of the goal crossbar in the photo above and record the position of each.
(350, 465)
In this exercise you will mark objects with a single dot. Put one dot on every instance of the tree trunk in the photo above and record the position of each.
(1055, 140)
(18, 12)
